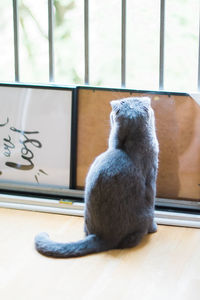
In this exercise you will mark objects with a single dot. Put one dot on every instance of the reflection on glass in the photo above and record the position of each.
(181, 52)
(143, 44)
(6, 44)
(105, 42)
(33, 41)
(69, 41)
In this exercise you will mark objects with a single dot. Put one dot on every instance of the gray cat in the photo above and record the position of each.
(120, 185)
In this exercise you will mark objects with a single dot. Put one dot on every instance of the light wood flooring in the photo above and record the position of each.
(166, 265)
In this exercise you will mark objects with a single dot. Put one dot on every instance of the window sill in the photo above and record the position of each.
(70, 207)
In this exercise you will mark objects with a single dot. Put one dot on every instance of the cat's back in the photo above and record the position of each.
(114, 195)
(114, 176)
(108, 165)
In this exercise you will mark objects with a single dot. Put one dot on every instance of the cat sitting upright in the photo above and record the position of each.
(120, 185)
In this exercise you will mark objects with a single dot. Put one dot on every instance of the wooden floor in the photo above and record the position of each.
(165, 266)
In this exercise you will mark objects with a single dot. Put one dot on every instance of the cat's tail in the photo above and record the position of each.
(91, 244)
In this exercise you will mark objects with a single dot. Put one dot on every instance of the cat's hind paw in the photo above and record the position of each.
(153, 227)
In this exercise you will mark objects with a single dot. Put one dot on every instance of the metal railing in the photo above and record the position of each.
(86, 39)
(51, 43)
(16, 38)
(162, 44)
(87, 43)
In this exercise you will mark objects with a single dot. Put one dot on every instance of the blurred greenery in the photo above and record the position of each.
(181, 42)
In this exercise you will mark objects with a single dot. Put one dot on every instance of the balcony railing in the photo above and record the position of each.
(87, 43)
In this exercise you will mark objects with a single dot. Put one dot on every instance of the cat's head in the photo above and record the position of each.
(136, 110)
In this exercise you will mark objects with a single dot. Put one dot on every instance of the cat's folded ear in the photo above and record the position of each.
(146, 101)
(114, 104)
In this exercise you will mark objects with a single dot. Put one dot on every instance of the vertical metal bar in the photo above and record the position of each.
(16, 38)
(86, 39)
(198, 80)
(162, 44)
(51, 41)
(123, 44)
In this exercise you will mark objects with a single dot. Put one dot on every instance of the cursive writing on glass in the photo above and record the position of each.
(26, 153)
(8, 146)
(28, 142)
(4, 124)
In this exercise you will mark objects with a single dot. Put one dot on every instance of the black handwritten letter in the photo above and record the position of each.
(8, 145)
(26, 153)
(19, 166)
(4, 124)
(23, 132)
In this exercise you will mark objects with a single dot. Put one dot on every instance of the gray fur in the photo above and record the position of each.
(120, 185)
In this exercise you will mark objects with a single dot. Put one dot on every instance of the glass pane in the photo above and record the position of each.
(143, 21)
(181, 52)
(33, 43)
(34, 123)
(177, 128)
(69, 41)
(105, 42)
(7, 41)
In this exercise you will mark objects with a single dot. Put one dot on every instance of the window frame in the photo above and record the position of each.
(167, 211)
